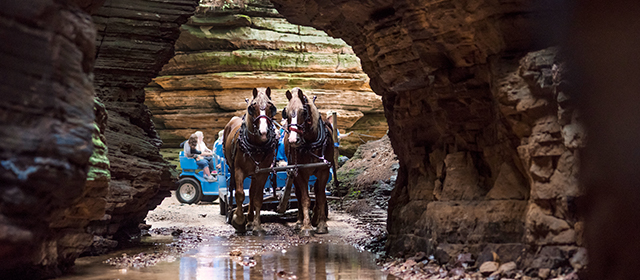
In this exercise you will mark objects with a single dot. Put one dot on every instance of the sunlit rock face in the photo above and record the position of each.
(229, 47)
(46, 123)
(480, 118)
(134, 40)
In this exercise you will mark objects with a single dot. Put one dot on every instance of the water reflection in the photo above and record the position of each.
(212, 260)
(310, 261)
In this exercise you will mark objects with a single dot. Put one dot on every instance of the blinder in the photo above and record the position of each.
(274, 110)
(284, 113)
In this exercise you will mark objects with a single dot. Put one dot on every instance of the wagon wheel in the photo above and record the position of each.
(188, 191)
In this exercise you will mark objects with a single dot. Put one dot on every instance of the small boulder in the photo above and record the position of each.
(489, 267)
(544, 273)
(505, 269)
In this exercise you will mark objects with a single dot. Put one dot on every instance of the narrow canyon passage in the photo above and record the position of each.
(464, 123)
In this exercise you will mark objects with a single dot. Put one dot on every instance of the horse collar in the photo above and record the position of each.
(250, 148)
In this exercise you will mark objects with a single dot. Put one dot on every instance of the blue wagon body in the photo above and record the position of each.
(192, 187)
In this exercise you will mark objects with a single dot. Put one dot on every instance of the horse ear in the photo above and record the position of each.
(289, 95)
(314, 99)
(255, 92)
(268, 91)
(301, 95)
(246, 100)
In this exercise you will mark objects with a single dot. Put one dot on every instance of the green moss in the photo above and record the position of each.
(98, 162)
(172, 155)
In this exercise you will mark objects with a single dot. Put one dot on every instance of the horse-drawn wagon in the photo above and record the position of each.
(193, 188)
(250, 144)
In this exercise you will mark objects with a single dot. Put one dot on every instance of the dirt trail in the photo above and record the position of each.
(172, 216)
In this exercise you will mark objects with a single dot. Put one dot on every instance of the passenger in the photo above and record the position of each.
(330, 121)
(191, 151)
(218, 151)
(281, 158)
(207, 154)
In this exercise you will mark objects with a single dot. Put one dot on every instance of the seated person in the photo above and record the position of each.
(281, 158)
(218, 151)
(206, 152)
(191, 151)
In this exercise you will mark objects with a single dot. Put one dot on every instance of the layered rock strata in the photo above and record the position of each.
(62, 187)
(484, 131)
(134, 40)
(46, 146)
(229, 47)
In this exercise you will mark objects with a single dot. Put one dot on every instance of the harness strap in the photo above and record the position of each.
(250, 149)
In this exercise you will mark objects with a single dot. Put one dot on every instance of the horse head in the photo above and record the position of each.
(302, 117)
(260, 113)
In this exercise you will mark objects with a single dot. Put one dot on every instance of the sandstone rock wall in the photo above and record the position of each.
(46, 128)
(229, 47)
(134, 40)
(74, 165)
(484, 130)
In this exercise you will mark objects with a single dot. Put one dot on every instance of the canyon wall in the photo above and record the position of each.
(47, 128)
(229, 47)
(79, 158)
(134, 40)
(479, 117)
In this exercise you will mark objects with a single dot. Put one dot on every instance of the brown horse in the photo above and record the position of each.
(249, 144)
(308, 140)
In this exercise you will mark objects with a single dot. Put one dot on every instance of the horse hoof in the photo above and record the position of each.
(298, 226)
(306, 233)
(259, 232)
(322, 229)
(240, 227)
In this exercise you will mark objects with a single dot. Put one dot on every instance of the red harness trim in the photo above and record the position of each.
(294, 128)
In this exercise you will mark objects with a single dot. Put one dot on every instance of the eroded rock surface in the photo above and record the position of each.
(46, 124)
(134, 40)
(479, 117)
(229, 47)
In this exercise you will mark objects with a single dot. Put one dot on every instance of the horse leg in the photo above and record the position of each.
(250, 210)
(319, 211)
(257, 190)
(238, 220)
(303, 182)
(300, 210)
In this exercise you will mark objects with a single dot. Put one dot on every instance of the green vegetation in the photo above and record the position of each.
(172, 155)
(98, 162)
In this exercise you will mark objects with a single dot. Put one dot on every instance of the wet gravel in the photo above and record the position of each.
(184, 227)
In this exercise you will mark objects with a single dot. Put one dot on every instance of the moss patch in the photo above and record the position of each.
(98, 162)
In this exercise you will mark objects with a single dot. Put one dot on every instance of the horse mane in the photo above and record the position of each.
(296, 103)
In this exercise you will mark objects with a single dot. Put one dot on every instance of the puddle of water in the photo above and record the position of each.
(211, 260)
